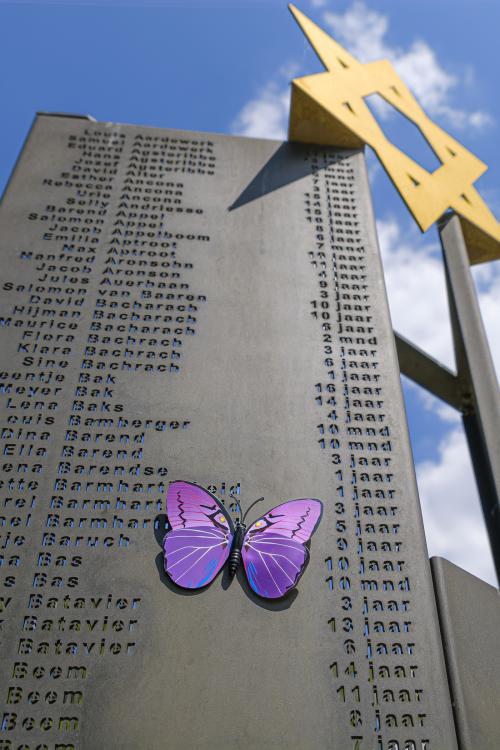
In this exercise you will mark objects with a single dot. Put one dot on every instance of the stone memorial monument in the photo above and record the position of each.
(183, 305)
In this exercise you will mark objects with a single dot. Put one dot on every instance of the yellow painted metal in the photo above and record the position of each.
(329, 108)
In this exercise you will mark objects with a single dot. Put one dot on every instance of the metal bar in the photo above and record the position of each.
(428, 372)
(477, 377)
(469, 616)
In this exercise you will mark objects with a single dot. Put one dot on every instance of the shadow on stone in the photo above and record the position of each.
(288, 164)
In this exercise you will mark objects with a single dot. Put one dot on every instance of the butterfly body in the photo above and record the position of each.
(234, 559)
(203, 536)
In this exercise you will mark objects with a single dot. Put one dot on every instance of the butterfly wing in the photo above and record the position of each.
(199, 540)
(274, 548)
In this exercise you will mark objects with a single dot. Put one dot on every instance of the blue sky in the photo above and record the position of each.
(225, 67)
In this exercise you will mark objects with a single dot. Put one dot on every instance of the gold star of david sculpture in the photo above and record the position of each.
(329, 109)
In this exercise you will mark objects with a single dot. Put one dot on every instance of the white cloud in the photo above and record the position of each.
(489, 304)
(453, 519)
(416, 288)
(363, 31)
(479, 120)
(266, 115)
(433, 404)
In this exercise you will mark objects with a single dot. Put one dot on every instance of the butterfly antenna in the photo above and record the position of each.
(235, 506)
(251, 506)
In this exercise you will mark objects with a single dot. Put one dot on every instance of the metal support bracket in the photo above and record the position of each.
(428, 372)
(473, 391)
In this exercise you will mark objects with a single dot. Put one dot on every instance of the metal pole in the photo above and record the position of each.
(477, 379)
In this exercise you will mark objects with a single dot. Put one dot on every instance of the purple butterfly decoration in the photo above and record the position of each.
(202, 537)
